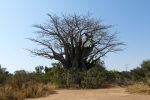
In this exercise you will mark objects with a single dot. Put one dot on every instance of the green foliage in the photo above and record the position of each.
(138, 74)
(111, 76)
(4, 75)
(146, 65)
(39, 69)
(73, 78)
(70, 78)
(94, 78)
(55, 75)
(141, 73)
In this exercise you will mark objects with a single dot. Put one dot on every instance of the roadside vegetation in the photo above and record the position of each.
(22, 84)
(141, 79)
(140, 88)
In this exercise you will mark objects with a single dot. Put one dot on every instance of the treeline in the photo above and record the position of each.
(95, 77)
(22, 84)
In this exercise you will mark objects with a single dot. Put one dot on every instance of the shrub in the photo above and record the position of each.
(111, 76)
(8, 93)
(4, 75)
(139, 88)
(28, 90)
(34, 90)
(94, 78)
(141, 73)
(56, 75)
(19, 78)
(73, 78)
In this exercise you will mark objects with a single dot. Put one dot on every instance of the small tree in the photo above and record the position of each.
(39, 69)
(4, 75)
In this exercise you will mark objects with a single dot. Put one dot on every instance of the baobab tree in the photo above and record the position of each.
(78, 42)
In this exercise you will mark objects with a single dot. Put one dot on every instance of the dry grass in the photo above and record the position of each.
(8, 93)
(139, 88)
(28, 90)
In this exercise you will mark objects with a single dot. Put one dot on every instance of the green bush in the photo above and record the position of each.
(141, 73)
(56, 75)
(4, 75)
(111, 77)
(74, 78)
(94, 78)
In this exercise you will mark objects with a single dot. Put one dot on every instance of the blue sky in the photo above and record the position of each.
(131, 18)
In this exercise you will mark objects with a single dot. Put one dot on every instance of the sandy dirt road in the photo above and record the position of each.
(97, 94)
